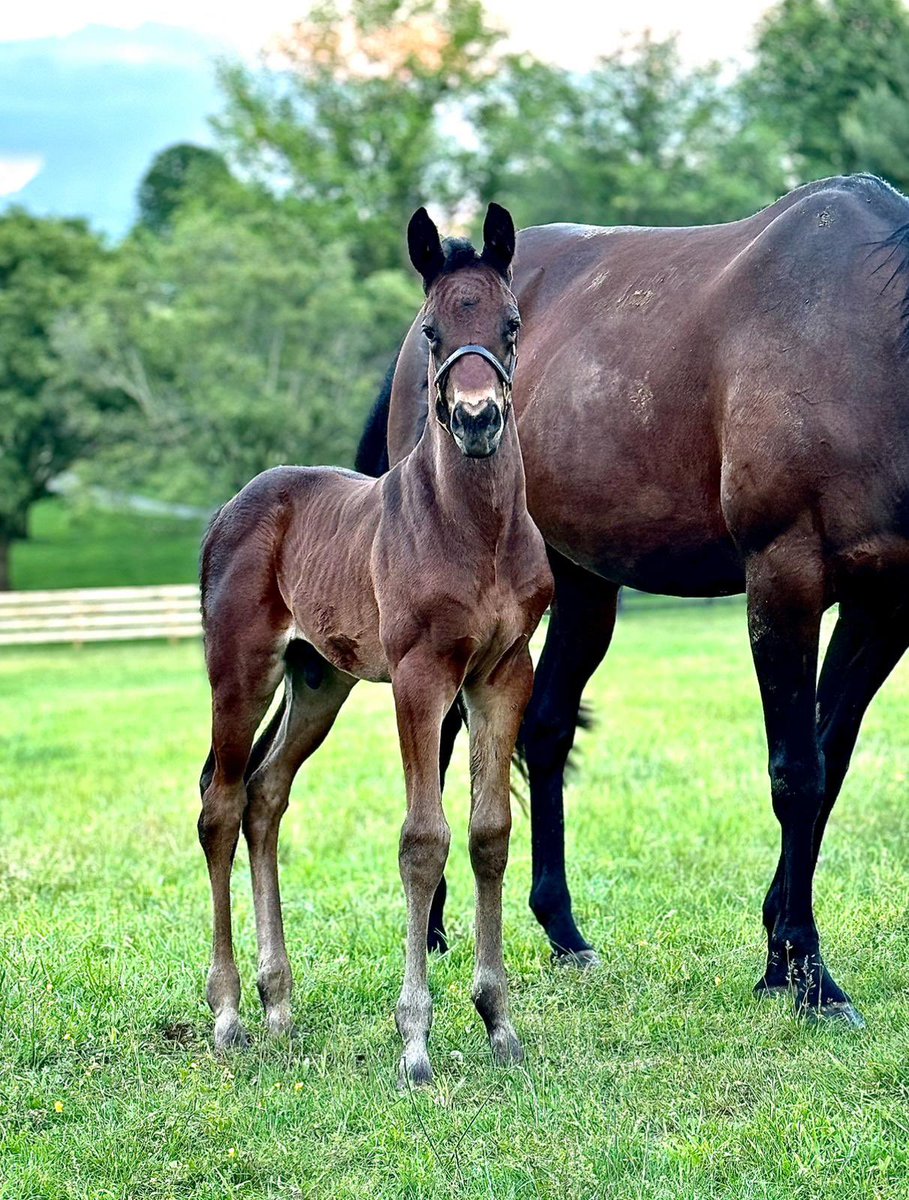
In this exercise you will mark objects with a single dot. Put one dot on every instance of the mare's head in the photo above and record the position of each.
(471, 322)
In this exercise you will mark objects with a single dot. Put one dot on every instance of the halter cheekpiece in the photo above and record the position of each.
(504, 374)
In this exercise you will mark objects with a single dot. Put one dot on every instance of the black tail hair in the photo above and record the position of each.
(584, 720)
(372, 451)
(897, 264)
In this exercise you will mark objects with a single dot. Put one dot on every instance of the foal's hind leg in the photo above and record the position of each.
(867, 643)
(785, 600)
(580, 629)
(243, 681)
(315, 692)
(495, 709)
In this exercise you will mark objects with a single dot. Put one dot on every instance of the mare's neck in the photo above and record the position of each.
(486, 492)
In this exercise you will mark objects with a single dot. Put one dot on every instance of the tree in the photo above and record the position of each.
(350, 129)
(637, 140)
(178, 175)
(814, 59)
(876, 125)
(45, 424)
(234, 344)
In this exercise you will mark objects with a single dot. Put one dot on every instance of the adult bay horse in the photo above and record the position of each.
(703, 412)
(431, 578)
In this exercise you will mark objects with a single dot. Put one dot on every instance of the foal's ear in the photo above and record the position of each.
(498, 238)
(425, 247)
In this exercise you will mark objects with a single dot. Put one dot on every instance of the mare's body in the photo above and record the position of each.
(708, 411)
(432, 578)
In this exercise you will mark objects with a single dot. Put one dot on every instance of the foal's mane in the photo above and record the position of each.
(460, 253)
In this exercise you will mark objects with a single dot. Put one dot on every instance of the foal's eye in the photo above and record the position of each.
(430, 334)
(512, 327)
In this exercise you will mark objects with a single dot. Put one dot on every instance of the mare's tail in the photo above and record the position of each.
(372, 451)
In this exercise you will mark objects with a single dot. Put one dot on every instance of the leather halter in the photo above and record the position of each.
(504, 374)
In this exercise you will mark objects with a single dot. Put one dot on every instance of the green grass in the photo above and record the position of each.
(74, 546)
(655, 1076)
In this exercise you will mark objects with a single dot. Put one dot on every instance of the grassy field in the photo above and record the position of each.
(73, 546)
(655, 1076)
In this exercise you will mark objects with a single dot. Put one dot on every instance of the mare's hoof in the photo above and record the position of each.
(436, 941)
(230, 1034)
(581, 960)
(838, 1012)
(770, 991)
(506, 1047)
(414, 1072)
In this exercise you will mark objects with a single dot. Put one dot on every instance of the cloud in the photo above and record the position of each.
(17, 173)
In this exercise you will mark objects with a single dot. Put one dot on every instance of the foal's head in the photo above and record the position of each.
(471, 322)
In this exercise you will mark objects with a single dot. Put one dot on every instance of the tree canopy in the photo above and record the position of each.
(46, 423)
(249, 316)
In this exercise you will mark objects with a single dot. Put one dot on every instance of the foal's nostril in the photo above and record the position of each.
(484, 422)
(477, 432)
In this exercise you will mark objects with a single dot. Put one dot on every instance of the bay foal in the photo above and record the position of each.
(433, 577)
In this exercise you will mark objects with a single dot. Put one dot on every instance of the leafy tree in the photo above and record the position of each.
(45, 424)
(637, 140)
(349, 128)
(876, 125)
(234, 344)
(177, 175)
(814, 60)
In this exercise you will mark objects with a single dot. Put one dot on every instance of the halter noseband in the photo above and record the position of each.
(504, 374)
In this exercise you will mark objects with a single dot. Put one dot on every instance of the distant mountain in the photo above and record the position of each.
(82, 115)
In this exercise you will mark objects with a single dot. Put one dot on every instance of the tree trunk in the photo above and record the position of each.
(5, 544)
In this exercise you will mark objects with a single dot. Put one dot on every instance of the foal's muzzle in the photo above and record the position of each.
(476, 427)
(478, 433)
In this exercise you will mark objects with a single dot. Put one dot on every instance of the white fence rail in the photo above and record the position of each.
(100, 615)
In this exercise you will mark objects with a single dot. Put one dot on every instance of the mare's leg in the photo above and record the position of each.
(244, 672)
(785, 589)
(580, 629)
(312, 701)
(424, 691)
(436, 939)
(495, 710)
(867, 643)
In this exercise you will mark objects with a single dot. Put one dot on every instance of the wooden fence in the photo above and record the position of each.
(100, 615)
(170, 612)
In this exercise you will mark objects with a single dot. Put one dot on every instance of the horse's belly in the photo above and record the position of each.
(670, 556)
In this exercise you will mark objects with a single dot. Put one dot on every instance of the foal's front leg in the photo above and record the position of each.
(495, 709)
(420, 705)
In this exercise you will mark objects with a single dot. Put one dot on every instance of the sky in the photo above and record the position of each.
(584, 28)
(90, 90)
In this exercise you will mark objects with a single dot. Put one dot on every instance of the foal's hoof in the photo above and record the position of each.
(280, 1024)
(838, 1012)
(414, 1071)
(580, 960)
(230, 1034)
(506, 1047)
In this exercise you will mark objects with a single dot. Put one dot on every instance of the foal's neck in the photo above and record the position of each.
(488, 492)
